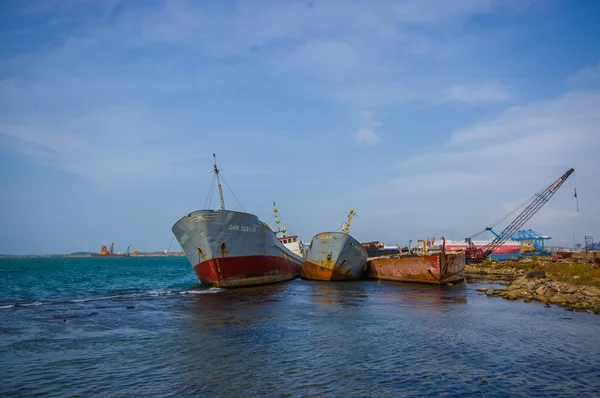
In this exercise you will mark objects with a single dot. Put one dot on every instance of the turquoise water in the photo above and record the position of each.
(144, 327)
(33, 280)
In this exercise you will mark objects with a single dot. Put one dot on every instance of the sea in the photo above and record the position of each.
(145, 327)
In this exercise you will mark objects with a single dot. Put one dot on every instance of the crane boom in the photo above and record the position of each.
(538, 200)
(348, 223)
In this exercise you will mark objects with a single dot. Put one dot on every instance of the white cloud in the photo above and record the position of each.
(104, 163)
(568, 116)
(366, 133)
(587, 78)
(476, 93)
(488, 169)
(331, 60)
(367, 136)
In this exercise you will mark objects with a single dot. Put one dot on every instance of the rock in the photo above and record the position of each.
(590, 291)
(489, 292)
(527, 300)
(537, 274)
(558, 299)
(541, 290)
(541, 298)
(576, 277)
(577, 295)
(570, 290)
(481, 289)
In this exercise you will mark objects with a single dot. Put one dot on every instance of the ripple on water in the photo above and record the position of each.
(302, 339)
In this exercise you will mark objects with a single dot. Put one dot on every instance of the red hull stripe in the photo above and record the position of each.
(246, 270)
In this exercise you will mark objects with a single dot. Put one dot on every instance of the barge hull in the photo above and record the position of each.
(436, 269)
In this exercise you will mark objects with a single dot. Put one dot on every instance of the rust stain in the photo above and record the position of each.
(325, 272)
(224, 249)
(438, 268)
(201, 254)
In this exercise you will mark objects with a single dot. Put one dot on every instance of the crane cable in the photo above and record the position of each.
(227, 185)
(575, 194)
(522, 205)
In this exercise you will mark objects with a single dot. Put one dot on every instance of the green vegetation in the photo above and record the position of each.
(582, 272)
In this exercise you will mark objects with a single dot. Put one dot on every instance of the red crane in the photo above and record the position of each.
(477, 254)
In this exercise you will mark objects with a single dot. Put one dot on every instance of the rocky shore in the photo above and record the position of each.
(545, 281)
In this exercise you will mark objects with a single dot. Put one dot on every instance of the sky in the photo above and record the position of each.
(432, 118)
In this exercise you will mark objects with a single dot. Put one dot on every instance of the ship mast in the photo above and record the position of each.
(277, 221)
(219, 184)
(348, 223)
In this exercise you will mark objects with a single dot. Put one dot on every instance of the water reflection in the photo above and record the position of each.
(361, 337)
(333, 294)
(423, 297)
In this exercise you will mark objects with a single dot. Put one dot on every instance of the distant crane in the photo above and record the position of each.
(531, 241)
(104, 251)
(169, 247)
(476, 254)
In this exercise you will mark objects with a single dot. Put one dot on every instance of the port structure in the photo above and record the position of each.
(531, 241)
(589, 244)
(532, 205)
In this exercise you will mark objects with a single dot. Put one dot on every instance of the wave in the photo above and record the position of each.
(154, 293)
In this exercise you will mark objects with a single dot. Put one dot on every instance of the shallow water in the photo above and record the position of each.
(143, 327)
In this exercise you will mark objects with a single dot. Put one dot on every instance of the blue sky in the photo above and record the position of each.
(431, 117)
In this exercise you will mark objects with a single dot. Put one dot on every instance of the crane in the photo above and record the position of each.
(279, 230)
(476, 254)
(348, 223)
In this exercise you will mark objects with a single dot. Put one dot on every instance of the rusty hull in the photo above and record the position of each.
(438, 268)
(326, 272)
(334, 256)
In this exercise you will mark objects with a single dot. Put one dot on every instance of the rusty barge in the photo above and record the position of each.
(434, 267)
(335, 256)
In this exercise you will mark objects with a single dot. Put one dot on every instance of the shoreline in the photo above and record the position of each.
(571, 284)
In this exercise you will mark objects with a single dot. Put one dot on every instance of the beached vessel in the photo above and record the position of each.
(234, 249)
(436, 267)
(334, 256)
